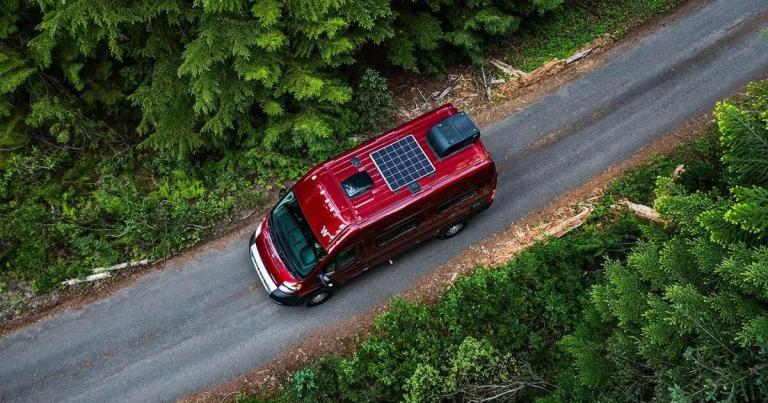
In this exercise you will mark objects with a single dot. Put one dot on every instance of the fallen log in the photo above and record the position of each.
(565, 226)
(121, 266)
(549, 68)
(507, 69)
(578, 56)
(100, 273)
(642, 211)
(92, 277)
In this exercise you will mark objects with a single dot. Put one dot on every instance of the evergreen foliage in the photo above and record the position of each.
(127, 129)
(684, 318)
(214, 75)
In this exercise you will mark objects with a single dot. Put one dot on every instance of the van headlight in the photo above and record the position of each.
(289, 287)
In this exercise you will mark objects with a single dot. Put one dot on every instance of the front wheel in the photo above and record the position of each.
(452, 230)
(319, 296)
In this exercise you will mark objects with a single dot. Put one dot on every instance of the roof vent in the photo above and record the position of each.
(357, 184)
(452, 134)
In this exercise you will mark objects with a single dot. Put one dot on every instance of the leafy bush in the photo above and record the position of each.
(62, 215)
(374, 103)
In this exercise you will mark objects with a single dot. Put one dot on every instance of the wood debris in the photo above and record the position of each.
(507, 69)
(442, 94)
(565, 226)
(100, 273)
(121, 266)
(578, 56)
(642, 211)
(92, 277)
(469, 89)
(679, 171)
(485, 84)
(549, 68)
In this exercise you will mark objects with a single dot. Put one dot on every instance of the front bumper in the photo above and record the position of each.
(267, 281)
(282, 298)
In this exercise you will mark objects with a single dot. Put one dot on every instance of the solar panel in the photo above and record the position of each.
(402, 163)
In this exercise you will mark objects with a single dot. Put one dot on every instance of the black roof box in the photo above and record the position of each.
(452, 134)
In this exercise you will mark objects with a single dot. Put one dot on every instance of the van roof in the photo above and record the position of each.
(329, 210)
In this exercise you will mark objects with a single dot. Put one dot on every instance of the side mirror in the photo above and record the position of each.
(282, 192)
(325, 280)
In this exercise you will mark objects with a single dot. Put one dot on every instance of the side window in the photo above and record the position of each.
(456, 201)
(396, 232)
(343, 260)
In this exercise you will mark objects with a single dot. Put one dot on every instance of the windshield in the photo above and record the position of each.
(295, 242)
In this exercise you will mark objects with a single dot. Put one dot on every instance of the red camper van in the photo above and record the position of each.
(423, 179)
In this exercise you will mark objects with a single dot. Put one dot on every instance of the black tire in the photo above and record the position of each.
(451, 230)
(319, 296)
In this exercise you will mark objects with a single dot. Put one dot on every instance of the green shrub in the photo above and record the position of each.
(703, 171)
(61, 215)
(373, 102)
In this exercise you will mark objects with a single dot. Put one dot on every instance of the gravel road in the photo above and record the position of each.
(201, 323)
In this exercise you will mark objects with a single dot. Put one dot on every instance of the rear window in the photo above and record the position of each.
(357, 184)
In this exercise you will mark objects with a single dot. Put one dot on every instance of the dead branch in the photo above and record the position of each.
(485, 84)
(254, 211)
(121, 266)
(444, 93)
(100, 273)
(426, 102)
(578, 55)
(679, 171)
(92, 277)
(642, 211)
(507, 69)
(567, 225)
(406, 114)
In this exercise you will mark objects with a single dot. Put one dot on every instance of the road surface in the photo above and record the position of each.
(200, 324)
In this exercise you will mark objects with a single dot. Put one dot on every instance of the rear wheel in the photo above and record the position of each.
(319, 296)
(452, 230)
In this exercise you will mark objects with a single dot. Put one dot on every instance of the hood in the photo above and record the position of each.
(325, 207)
